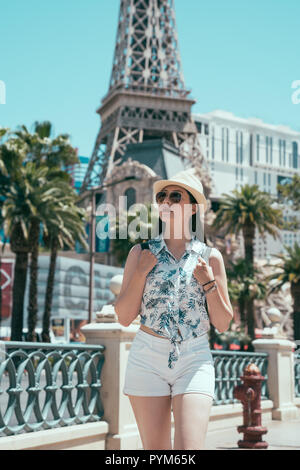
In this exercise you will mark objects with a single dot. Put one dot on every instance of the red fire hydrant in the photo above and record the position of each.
(250, 395)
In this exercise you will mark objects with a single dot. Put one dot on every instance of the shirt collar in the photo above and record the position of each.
(158, 243)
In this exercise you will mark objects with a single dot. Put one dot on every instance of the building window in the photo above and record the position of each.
(206, 130)
(223, 144)
(255, 177)
(295, 154)
(213, 143)
(251, 150)
(227, 145)
(280, 153)
(199, 126)
(257, 147)
(271, 149)
(241, 147)
(267, 149)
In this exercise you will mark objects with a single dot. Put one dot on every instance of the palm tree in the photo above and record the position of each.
(68, 227)
(44, 152)
(44, 148)
(27, 205)
(245, 211)
(24, 219)
(2, 169)
(289, 196)
(47, 200)
(1, 226)
(290, 192)
(29, 202)
(12, 154)
(244, 283)
(121, 247)
(63, 224)
(288, 270)
(20, 246)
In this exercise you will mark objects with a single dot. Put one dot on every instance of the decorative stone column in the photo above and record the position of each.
(123, 432)
(281, 381)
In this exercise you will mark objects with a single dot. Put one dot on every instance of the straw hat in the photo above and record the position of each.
(188, 180)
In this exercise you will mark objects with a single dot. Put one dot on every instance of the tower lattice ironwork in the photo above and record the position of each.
(147, 98)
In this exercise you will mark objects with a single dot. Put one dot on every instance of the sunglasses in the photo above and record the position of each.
(174, 196)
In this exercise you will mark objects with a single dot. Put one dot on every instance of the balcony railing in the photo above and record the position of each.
(229, 367)
(44, 386)
(297, 375)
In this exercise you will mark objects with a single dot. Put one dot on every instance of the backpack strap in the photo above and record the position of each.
(206, 253)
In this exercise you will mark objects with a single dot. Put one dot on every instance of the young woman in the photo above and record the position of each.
(170, 365)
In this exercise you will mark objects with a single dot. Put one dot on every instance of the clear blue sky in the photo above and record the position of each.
(56, 58)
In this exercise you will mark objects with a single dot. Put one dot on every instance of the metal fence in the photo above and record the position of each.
(297, 374)
(229, 367)
(44, 386)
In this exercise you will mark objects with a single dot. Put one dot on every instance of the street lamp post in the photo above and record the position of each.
(92, 255)
(0, 289)
(92, 245)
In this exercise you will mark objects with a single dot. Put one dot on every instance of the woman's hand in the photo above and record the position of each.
(203, 272)
(146, 262)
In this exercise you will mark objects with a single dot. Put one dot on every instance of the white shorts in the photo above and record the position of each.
(147, 372)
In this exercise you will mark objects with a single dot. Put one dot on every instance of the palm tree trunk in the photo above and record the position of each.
(20, 274)
(295, 291)
(249, 234)
(241, 303)
(49, 290)
(32, 301)
(250, 322)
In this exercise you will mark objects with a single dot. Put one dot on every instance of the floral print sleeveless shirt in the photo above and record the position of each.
(173, 303)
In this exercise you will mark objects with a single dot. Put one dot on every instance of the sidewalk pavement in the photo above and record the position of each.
(281, 435)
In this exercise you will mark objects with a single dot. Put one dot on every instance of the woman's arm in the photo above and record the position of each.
(218, 302)
(128, 303)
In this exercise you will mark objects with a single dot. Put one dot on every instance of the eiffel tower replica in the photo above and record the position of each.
(147, 98)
